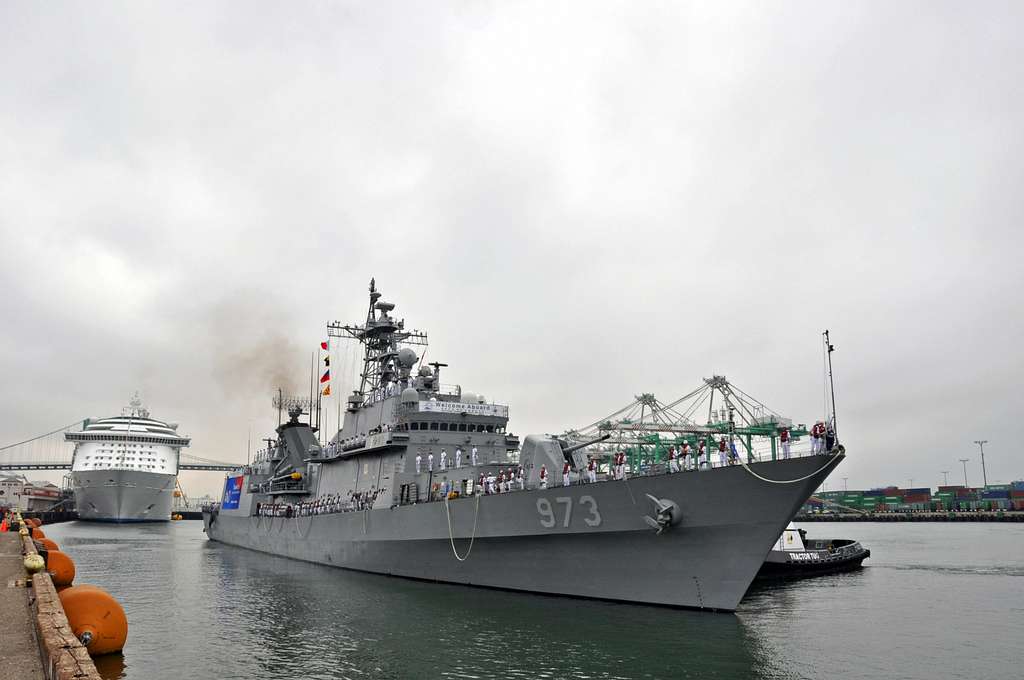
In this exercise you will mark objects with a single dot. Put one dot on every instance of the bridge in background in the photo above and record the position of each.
(49, 451)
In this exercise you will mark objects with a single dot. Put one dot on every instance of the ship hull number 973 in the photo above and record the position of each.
(562, 509)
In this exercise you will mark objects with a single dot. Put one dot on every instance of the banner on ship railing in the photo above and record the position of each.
(232, 493)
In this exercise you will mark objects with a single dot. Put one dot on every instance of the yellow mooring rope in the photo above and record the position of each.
(451, 537)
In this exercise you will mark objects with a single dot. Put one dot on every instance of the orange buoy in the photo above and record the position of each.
(49, 544)
(61, 568)
(37, 533)
(96, 618)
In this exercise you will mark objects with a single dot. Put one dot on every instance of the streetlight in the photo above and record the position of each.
(945, 478)
(844, 483)
(981, 444)
(911, 480)
(964, 462)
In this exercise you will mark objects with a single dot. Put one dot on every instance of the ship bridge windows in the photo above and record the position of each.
(444, 427)
(433, 426)
(462, 427)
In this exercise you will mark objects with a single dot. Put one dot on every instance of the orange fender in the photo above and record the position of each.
(96, 618)
(61, 568)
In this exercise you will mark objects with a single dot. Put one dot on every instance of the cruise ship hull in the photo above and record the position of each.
(123, 496)
(587, 540)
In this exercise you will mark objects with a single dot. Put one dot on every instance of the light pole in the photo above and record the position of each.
(963, 461)
(981, 444)
(911, 480)
(844, 483)
(945, 478)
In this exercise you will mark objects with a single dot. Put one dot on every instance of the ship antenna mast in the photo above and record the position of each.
(381, 336)
(829, 348)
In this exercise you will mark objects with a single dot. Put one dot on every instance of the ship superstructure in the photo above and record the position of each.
(124, 467)
(423, 480)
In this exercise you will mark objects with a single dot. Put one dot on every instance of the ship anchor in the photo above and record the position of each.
(668, 514)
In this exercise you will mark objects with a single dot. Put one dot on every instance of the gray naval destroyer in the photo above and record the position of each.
(363, 501)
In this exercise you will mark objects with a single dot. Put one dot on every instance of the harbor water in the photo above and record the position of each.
(934, 601)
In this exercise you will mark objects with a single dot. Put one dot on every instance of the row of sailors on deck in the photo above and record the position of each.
(355, 500)
(685, 458)
(504, 482)
(455, 461)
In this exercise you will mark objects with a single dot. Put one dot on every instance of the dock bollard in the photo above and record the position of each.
(34, 563)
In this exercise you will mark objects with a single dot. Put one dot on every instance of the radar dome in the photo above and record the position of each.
(481, 399)
(468, 398)
(410, 395)
(425, 372)
(406, 357)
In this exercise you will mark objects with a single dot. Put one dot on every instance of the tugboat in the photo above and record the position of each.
(793, 556)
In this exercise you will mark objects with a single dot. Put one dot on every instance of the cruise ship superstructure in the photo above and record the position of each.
(124, 468)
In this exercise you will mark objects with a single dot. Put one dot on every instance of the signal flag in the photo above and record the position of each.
(323, 345)
(327, 391)
(326, 376)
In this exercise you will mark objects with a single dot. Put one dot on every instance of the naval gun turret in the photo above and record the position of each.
(552, 452)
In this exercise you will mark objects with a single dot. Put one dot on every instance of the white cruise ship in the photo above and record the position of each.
(124, 468)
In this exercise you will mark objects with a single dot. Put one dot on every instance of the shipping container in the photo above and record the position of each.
(1019, 486)
(995, 494)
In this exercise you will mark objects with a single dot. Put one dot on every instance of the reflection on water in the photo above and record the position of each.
(204, 610)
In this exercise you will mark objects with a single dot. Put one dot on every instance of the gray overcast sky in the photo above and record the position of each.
(580, 202)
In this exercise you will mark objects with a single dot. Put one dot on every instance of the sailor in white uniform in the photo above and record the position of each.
(419, 459)
(543, 476)
(591, 470)
(458, 457)
(472, 457)
(430, 462)
(444, 459)
(565, 474)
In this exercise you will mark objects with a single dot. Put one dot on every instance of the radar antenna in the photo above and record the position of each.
(382, 338)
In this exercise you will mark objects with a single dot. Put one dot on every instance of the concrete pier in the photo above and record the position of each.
(37, 642)
(19, 650)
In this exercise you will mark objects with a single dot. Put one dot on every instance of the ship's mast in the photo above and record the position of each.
(381, 336)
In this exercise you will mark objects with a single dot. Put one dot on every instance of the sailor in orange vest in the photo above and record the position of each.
(591, 470)
(817, 434)
(565, 474)
(721, 452)
(784, 438)
(684, 455)
(543, 476)
(673, 466)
